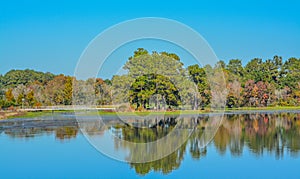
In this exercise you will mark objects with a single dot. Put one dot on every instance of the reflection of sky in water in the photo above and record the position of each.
(107, 143)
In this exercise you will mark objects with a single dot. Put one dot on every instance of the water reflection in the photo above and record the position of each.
(63, 129)
(275, 133)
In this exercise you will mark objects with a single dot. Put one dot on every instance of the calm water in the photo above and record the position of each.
(256, 145)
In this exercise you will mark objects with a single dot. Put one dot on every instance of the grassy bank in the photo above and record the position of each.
(22, 114)
(271, 108)
(10, 114)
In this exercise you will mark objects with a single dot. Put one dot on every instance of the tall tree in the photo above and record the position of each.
(272, 71)
(68, 90)
(9, 96)
(254, 70)
(198, 76)
(236, 70)
(30, 99)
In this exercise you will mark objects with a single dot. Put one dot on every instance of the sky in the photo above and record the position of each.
(50, 36)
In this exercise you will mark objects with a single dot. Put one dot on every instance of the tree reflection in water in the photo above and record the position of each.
(274, 133)
(62, 129)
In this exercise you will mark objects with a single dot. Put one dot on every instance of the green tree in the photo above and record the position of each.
(221, 64)
(15, 77)
(272, 69)
(68, 90)
(254, 70)
(103, 91)
(148, 85)
(236, 70)
(234, 97)
(30, 99)
(139, 52)
(198, 76)
(172, 55)
(141, 68)
(55, 90)
(291, 73)
(20, 99)
(9, 96)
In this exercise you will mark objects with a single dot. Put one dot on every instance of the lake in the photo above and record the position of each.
(263, 144)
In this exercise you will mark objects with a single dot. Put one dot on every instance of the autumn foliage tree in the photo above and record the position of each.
(258, 83)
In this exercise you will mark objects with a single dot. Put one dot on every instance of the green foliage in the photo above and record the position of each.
(235, 70)
(158, 80)
(291, 73)
(152, 84)
(172, 55)
(9, 96)
(30, 99)
(158, 74)
(139, 52)
(68, 91)
(20, 99)
(55, 90)
(103, 91)
(254, 70)
(198, 76)
(107, 82)
(15, 77)
(221, 64)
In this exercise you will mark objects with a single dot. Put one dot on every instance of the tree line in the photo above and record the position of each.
(259, 83)
(159, 81)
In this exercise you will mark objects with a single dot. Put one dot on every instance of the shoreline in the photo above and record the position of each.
(242, 110)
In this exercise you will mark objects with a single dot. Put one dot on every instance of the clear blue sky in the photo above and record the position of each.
(51, 35)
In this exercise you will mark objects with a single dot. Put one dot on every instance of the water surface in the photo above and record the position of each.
(255, 145)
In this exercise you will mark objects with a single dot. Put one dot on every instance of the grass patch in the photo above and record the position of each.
(271, 108)
(9, 115)
(34, 114)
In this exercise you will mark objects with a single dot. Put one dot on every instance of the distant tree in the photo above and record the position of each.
(172, 55)
(103, 91)
(40, 95)
(19, 93)
(235, 70)
(9, 96)
(272, 71)
(165, 70)
(250, 93)
(291, 73)
(254, 70)
(263, 94)
(15, 77)
(258, 83)
(20, 99)
(234, 97)
(139, 52)
(296, 94)
(2, 94)
(108, 82)
(30, 99)
(198, 76)
(1, 82)
(221, 64)
(120, 88)
(55, 90)
(147, 85)
(68, 90)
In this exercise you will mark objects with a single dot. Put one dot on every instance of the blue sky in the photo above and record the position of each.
(51, 35)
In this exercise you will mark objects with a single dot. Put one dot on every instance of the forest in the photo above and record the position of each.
(259, 83)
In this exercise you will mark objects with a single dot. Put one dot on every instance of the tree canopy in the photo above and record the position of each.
(159, 80)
